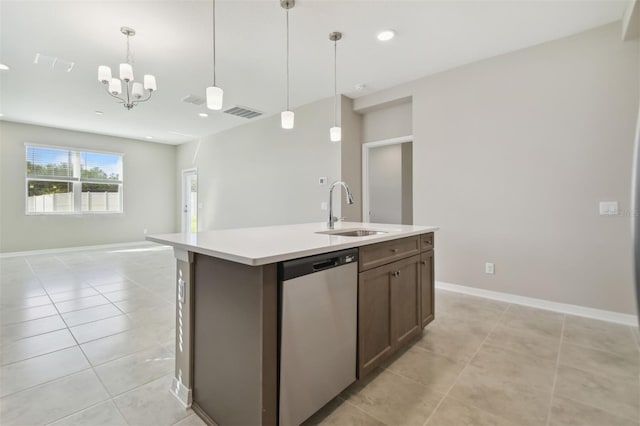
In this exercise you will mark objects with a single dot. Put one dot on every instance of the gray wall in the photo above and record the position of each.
(385, 184)
(511, 157)
(351, 153)
(407, 183)
(149, 192)
(391, 184)
(387, 121)
(259, 174)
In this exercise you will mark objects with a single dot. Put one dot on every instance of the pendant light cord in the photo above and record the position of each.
(288, 60)
(214, 41)
(335, 83)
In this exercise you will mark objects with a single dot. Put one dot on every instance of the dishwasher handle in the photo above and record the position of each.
(290, 269)
(326, 264)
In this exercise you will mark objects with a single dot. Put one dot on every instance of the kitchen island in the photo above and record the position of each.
(228, 307)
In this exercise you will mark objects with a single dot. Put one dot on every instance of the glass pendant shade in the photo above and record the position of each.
(287, 118)
(126, 72)
(115, 86)
(150, 82)
(214, 97)
(104, 74)
(335, 134)
(137, 90)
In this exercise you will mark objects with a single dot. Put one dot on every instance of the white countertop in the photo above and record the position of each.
(270, 244)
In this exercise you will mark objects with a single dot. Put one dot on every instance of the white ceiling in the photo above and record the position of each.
(173, 42)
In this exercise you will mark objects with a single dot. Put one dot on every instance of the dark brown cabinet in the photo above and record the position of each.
(427, 296)
(395, 297)
(405, 300)
(375, 338)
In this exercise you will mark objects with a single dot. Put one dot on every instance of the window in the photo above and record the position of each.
(60, 180)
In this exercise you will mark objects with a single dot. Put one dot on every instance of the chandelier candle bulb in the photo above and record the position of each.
(214, 97)
(137, 90)
(115, 86)
(126, 72)
(150, 82)
(287, 118)
(335, 134)
(104, 74)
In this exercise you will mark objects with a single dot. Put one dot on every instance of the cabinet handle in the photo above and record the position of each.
(396, 273)
(427, 242)
(424, 262)
(394, 250)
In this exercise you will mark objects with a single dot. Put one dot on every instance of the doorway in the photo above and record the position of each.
(190, 201)
(387, 168)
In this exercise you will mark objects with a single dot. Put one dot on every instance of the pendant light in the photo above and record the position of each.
(335, 133)
(287, 117)
(214, 93)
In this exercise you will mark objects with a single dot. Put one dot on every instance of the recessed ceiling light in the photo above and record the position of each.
(386, 35)
(99, 112)
(149, 137)
(4, 67)
(203, 114)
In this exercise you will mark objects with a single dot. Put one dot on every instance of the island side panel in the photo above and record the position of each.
(234, 342)
(183, 375)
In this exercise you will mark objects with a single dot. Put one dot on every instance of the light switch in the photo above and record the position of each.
(608, 208)
(322, 181)
(489, 268)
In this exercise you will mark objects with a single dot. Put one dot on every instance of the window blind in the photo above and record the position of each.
(49, 163)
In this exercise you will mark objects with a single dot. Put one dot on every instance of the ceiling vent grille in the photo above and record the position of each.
(193, 99)
(57, 64)
(243, 112)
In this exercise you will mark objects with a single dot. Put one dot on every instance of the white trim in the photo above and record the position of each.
(548, 305)
(365, 168)
(80, 248)
(185, 225)
(181, 392)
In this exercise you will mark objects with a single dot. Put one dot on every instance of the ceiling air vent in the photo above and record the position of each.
(57, 64)
(243, 112)
(193, 99)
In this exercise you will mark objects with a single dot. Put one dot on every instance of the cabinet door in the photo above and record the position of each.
(374, 318)
(426, 288)
(405, 300)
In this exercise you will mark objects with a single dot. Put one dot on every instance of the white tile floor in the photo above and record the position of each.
(86, 338)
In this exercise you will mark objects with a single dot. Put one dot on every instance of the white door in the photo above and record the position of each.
(190, 201)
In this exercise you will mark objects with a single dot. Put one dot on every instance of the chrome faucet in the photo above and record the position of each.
(349, 197)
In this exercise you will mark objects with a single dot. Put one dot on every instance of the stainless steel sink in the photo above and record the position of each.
(354, 232)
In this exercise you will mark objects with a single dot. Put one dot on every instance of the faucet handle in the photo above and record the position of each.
(341, 219)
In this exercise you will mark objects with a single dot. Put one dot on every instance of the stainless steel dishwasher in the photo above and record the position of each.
(318, 331)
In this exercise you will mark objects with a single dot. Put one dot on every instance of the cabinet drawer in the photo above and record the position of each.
(382, 253)
(426, 241)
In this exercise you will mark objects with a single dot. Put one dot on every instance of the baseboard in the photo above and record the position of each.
(564, 308)
(182, 393)
(80, 248)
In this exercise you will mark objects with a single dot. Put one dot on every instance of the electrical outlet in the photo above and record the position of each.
(489, 268)
(323, 206)
(322, 181)
(608, 208)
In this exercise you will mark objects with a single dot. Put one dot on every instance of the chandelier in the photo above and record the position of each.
(134, 92)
